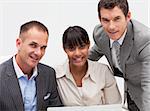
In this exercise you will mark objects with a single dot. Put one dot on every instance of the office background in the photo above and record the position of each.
(57, 15)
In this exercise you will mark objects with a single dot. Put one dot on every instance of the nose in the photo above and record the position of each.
(77, 52)
(38, 51)
(111, 25)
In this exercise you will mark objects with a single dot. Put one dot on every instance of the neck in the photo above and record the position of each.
(24, 68)
(27, 71)
(78, 73)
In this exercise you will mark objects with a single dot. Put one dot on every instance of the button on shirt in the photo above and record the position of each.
(28, 88)
(98, 86)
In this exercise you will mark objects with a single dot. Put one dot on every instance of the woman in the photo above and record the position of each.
(81, 81)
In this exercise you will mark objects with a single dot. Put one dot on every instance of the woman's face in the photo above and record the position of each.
(77, 55)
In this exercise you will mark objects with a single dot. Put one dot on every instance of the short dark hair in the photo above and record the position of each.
(110, 4)
(28, 25)
(75, 36)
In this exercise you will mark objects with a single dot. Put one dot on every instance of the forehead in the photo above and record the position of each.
(35, 35)
(35, 30)
(111, 13)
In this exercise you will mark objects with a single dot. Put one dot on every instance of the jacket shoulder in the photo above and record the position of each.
(45, 69)
(41, 65)
(99, 33)
(4, 65)
(141, 34)
(98, 29)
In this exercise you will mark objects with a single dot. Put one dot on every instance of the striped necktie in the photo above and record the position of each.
(115, 51)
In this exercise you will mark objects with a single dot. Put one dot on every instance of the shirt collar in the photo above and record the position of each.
(63, 69)
(19, 72)
(66, 71)
(119, 40)
(91, 72)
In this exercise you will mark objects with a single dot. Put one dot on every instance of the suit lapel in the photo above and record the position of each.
(106, 48)
(126, 46)
(13, 86)
(40, 88)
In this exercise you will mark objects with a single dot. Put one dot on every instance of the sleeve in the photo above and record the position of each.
(145, 76)
(111, 91)
(95, 53)
(55, 98)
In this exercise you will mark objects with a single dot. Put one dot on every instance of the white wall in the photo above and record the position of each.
(57, 15)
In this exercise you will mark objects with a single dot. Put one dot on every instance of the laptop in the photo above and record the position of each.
(112, 107)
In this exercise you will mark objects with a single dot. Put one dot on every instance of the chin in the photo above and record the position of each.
(33, 64)
(114, 38)
(79, 64)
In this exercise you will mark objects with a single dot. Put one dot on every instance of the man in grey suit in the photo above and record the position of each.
(26, 84)
(134, 56)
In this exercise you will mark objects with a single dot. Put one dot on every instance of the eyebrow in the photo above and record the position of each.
(38, 44)
(104, 18)
(33, 43)
(117, 17)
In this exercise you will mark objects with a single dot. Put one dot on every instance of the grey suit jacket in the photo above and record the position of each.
(10, 93)
(135, 59)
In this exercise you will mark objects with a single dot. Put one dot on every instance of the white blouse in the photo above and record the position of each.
(98, 86)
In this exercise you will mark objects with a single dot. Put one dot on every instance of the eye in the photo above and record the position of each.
(71, 48)
(104, 20)
(43, 47)
(117, 19)
(33, 45)
(82, 46)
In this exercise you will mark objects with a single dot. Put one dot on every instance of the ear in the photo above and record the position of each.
(128, 17)
(18, 43)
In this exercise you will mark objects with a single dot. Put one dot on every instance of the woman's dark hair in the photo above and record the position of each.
(75, 36)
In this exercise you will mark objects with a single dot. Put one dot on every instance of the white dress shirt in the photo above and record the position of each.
(98, 86)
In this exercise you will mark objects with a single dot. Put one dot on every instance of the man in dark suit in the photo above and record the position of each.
(26, 84)
(133, 57)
